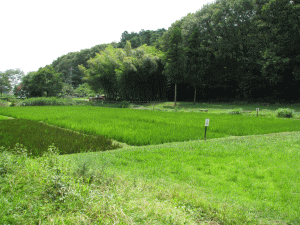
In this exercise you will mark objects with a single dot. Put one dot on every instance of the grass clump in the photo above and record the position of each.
(42, 135)
(236, 111)
(285, 112)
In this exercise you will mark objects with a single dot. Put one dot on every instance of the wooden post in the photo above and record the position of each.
(195, 95)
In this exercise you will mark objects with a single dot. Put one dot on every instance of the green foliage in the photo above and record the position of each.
(66, 91)
(84, 90)
(63, 64)
(43, 101)
(45, 82)
(285, 112)
(124, 104)
(101, 71)
(236, 111)
(14, 101)
(147, 37)
(42, 135)
(9, 79)
(3, 103)
(53, 187)
(133, 74)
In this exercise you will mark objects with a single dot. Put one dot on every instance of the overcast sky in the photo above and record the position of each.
(33, 33)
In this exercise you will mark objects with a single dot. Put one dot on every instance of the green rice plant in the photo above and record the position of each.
(285, 112)
(236, 111)
(42, 135)
(144, 127)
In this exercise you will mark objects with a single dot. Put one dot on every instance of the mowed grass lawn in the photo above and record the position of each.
(144, 127)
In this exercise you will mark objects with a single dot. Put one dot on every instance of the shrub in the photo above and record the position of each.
(124, 104)
(42, 101)
(236, 111)
(3, 103)
(285, 112)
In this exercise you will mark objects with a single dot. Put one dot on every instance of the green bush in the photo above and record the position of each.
(285, 112)
(236, 111)
(3, 103)
(124, 104)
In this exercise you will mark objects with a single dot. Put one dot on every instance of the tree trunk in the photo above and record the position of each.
(195, 95)
(175, 97)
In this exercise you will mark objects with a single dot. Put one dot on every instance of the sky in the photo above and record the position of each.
(34, 33)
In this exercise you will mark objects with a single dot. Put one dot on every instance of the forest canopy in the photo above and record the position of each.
(227, 50)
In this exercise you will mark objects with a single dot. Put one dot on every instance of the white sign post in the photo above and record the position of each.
(206, 125)
(257, 109)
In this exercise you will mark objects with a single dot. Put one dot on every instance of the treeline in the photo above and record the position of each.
(228, 50)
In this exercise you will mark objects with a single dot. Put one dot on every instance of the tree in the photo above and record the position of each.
(9, 79)
(44, 82)
(174, 67)
(4, 83)
(198, 59)
(100, 72)
(84, 90)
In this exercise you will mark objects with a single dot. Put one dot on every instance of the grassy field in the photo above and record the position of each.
(235, 180)
(227, 179)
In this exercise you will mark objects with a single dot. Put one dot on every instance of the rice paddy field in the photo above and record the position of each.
(246, 172)
(146, 127)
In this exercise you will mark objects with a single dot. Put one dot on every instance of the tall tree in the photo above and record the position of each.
(174, 67)
(198, 59)
(100, 72)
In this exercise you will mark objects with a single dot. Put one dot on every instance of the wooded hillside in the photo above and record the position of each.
(228, 50)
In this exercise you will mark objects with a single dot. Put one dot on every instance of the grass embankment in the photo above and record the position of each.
(36, 137)
(144, 127)
(235, 180)
(265, 109)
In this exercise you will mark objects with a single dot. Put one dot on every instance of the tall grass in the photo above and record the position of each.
(143, 127)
